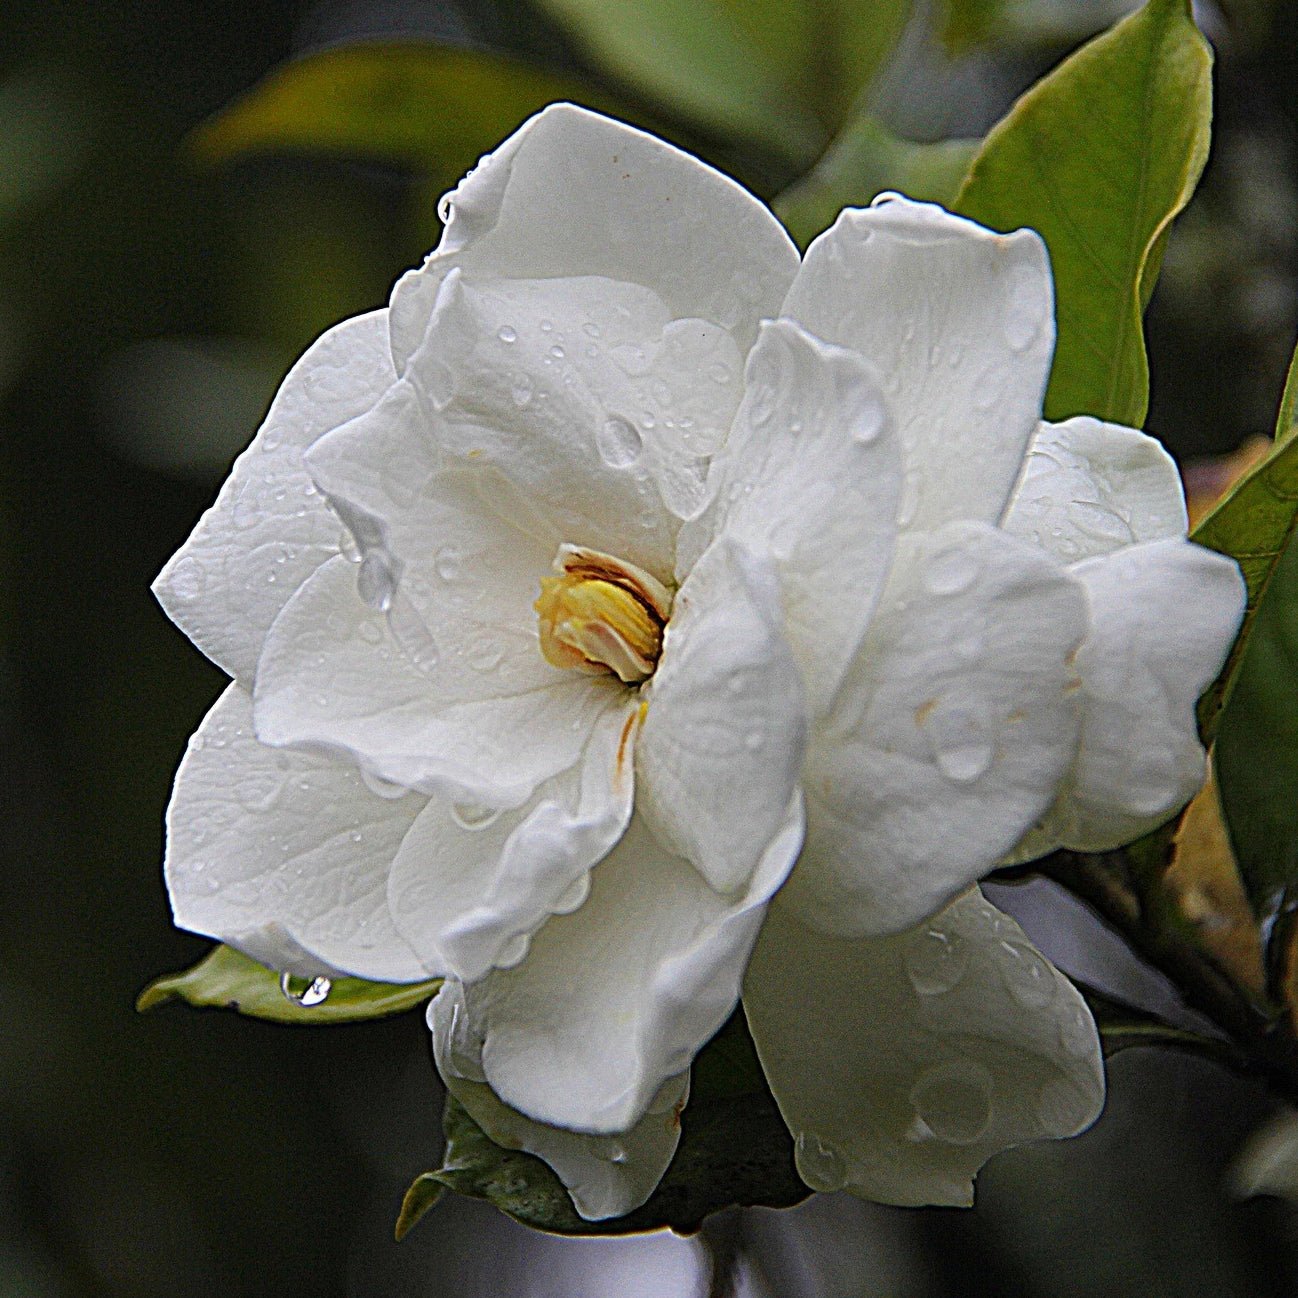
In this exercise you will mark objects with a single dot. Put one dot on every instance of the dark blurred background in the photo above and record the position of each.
(149, 302)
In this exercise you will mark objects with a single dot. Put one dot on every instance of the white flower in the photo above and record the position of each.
(630, 615)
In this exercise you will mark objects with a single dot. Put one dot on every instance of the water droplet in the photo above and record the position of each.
(187, 579)
(870, 420)
(617, 1154)
(936, 961)
(413, 636)
(521, 390)
(557, 352)
(618, 442)
(376, 581)
(1062, 1107)
(951, 571)
(719, 372)
(961, 745)
(473, 815)
(1030, 979)
(910, 492)
(986, 389)
(485, 656)
(591, 329)
(754, 740)
(507, 334)
(630, 359)
(272, 437)
(447, 563)
(954, 1101)
(347, 546)
(307, 994)
(547, 326)
(820, 1165)
(382, 788)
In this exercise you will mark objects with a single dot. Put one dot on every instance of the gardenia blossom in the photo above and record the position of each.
(633, 620)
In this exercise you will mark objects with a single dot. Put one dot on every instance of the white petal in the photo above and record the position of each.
(616, 998)
(958, 323)
(811, 475)
(574, 193)
(588, 396)
(954, 727)
(269, 528)
(901, 1064)
(470, 885)
(607, 1176)
(1163, 617)
(417, 705)
(721, 749)
(284, 855)
(1089, 487)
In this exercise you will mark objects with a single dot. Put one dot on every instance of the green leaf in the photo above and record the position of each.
(863, 161)
(734, 1149)
(775, 71)
(1254, 524)
(1253, 705)
(226, 979)
(1099, 157)
(432, 107)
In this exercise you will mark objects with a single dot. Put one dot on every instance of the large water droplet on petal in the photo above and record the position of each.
(820, 1165)
(507, 334)
(618, 442)
(1030, 979)
(954, 1101)
(936, 961)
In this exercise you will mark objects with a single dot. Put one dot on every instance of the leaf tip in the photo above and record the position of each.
(424, 1193)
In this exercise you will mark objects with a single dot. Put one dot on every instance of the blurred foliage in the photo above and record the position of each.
(864, 160)
(430, 107)
(146, 306)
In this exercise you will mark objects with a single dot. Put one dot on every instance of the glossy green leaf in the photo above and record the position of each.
(1253, 706)
(780, 72)
(436, 108)
(734, 1149)
(225, 979)
(863, 161)
(1099, 157)
(1254, 524)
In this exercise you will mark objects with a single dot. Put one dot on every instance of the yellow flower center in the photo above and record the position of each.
(602, 615)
